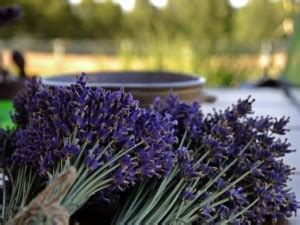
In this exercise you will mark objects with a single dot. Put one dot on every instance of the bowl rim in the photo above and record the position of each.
(196, 80)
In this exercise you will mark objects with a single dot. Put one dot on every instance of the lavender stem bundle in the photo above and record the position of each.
(103, 134)
(233, 172)
(179, 165)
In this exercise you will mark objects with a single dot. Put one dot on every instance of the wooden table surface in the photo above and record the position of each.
(271, 102)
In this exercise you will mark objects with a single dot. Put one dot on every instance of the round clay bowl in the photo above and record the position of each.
(144, 86)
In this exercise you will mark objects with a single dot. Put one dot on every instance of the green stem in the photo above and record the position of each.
(84, 200)
(111, 161)
(183, 139)
(165, 207)
(95, 175)
(148, 207)
(202, 158)
(134, 202)
(218, 203)
(83, 190)
(79, 157)
(192, 187)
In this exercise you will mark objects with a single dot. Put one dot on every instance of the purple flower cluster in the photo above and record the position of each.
(56, 123)
(25, 102)
(60, 123)
(219, 138)
(189, 116)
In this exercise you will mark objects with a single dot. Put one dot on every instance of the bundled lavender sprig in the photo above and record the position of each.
(233, 172)
(268, 181)
(224, 133)
(227, 167)
(105, 135)
(25, 103)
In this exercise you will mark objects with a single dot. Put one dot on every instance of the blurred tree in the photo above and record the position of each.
(258, 21)
(145, 20)
(209, 23)
(44, 19)
(99, 19)
(206, 25)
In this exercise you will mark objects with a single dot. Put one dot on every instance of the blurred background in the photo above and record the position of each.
(229, 42)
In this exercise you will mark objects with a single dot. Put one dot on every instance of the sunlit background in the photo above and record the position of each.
(230, 42)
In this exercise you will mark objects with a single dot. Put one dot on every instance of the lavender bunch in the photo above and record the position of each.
(22, 179)
(105, 135)
(267, 184)
(187, 194)
(233, 171)
(25, 103)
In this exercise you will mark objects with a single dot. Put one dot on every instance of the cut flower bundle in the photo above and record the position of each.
(177, 165)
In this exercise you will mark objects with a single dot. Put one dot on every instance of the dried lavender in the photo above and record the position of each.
(227, 167)
(105, 135)
(268, 181)
(185, 195)
(25, 102)
(188, 116)
(233, 171)
(20, 182)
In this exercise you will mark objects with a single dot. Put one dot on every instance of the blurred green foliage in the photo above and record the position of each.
(258, 21)
(292, 69)
(5, 109)
(207, 22)
(181, 36)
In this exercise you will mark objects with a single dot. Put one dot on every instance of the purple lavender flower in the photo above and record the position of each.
(91, 162)
(228, 170)
(238, 196)
(189, 117)
(222, 137)
(188, 194)
(25, 102)
(56, 122)
(206, 213)
(243, 107)
(279, 126)
(223, 211)
(70, 150)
